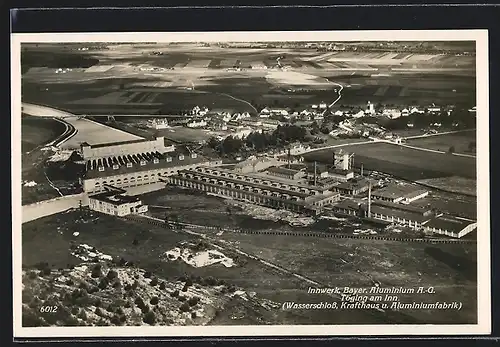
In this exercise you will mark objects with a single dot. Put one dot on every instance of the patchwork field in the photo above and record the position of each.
(238, 78)
(406, 163)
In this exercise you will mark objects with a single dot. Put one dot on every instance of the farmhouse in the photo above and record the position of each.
(117, 204)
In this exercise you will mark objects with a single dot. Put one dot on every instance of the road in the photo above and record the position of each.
(49, 207)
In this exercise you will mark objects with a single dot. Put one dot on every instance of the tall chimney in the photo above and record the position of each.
(289, 157)
(369, 200)
(315, 173)
(361, 170)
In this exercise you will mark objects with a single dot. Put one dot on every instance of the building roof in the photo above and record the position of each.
(282, 171)
(354, 184)
(414, 217)
(394, 191)
(336, 171)
(114, 198)
(401, 207)
(150, 165)
(416, 193)
(117, 143)
(449, 223)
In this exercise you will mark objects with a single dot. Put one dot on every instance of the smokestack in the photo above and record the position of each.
(289, 157)
(369, 200)
(315, 173)
(361, 170)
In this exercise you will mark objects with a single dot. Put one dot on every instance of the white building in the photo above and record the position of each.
(370, 108)
(116, 204)
(359, 114)
(392, 113)
(405, 112)
(196, 123)
(323, 105)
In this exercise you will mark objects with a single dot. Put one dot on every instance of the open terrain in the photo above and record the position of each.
(129, 79)
(52, 241)
(463, 142)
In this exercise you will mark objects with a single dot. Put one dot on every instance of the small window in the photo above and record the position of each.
(169, 159)
(181, 157)
(115, 166)
(129, 164)
(143, 162)
(101, 168)
(156, 160)
(194, 155)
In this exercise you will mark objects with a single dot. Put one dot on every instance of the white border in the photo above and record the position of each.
(483, 264)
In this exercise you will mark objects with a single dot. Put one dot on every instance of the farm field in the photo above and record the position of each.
(459, 141)
(453, 184)
(450, 269)
(405, 163)
(127, 79)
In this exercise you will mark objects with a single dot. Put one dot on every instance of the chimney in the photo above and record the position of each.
(361, 170)
(314, 173)
(289, 157)
(369, 200)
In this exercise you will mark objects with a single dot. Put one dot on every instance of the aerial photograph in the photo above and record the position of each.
(248, 183)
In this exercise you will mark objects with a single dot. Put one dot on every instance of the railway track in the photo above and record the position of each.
(159, 222)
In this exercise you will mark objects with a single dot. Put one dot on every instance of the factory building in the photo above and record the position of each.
(385, 211)
(343, 160)
(116, 204)
(257, 190)
(352, 188)
(284, 172)
(134, 163)
(450, 226)
(400, 193)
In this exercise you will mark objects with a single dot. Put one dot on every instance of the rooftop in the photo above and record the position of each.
(394, 191)
(282, 170)
(449, 223)
(114, 198)
(162, 163)
(401, 207)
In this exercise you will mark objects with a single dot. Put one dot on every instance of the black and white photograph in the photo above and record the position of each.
(251, 183)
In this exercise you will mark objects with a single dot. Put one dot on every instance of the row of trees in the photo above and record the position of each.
(259, 141)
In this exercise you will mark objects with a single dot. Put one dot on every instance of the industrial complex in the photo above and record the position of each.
(283, 182)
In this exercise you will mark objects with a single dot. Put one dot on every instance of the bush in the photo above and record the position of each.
(112, 274)
(154, 300)
(122, 262)
(123, 318)
(149, 318)
(127, 305)
(75, 310)
(193, 315)
(32, 275)
(193, 301)
(117, 284)
(154, 282)
(45, 272)
(147, 274)
(189, 282)
(145, 309)
(135, 242)
(139, 302)
(184, 307)
(135, 285)
(185, 288)
(162, 285)
(115, 320)
(181, 298)
(82, 315)
(98, 311)
(210, 281)
(103, 284)
(97, 302)
(175, 293)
